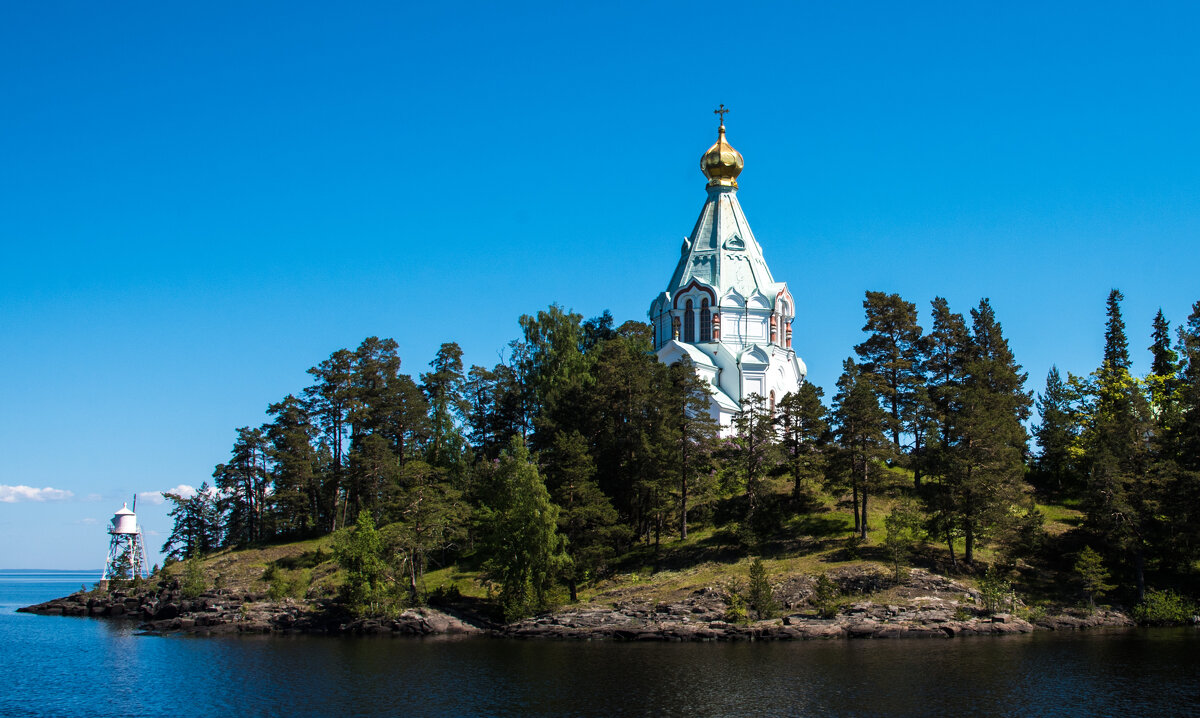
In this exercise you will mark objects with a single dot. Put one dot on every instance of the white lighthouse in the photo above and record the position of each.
(126, 548)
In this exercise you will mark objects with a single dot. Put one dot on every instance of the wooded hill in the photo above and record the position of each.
(581, 456)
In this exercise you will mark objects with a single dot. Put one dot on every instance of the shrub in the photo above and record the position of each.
(995, 590)
(826, 597)
(762, 600)
(192, 583)
(735, 612)
(1163, 608)
(1093, 575)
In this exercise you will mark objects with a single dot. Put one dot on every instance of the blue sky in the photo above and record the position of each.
(197, 203)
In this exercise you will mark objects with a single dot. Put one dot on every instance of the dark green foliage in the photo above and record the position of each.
(524, 551)
(980, 453)
(891, 359)
(800, 427)
(586, 516)
(329, 403)
(759, 594)
(428, 516)
(628, 451)
(1056, 435)
(197, 528)
(1122, 497)
(296, 500)
(444, 388)
(862, 447)
(689, 438)
(242, 485)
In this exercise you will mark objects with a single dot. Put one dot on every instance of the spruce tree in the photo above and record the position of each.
(1121, 498)
(1056, 435)
(586, 516)
(524, 551)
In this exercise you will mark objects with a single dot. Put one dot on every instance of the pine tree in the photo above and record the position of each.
(444, 389)
(296, 501)
(891, 359)
(861, 444)
(428, 515)
(243, 485)
(800, 425)
(945, 352)
(690, 434)
(330, 401)
(196, 529)
(626, 426)
(979, 462)
(754, 435)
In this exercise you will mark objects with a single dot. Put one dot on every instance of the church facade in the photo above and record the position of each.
(722, 311)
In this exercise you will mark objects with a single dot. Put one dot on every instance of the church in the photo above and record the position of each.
(723, 311)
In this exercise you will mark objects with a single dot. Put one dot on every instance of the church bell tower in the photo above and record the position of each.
(722, 311)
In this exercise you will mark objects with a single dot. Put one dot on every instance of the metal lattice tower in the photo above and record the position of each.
(126, 547)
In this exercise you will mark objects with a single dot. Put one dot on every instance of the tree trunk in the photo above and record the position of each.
(854, 486)
(1139, 567)
(866, 470)
(571, 586)
(950, 545)
(683, 509)
(864, 514)
(969, 541)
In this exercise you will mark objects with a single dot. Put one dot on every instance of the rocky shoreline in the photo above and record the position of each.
(925, 606)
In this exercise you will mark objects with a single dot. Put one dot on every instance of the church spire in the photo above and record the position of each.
(721, 164)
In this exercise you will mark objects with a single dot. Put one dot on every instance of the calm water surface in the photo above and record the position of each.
(87, 667)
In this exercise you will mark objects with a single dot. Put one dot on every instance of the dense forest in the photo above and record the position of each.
(579, 447)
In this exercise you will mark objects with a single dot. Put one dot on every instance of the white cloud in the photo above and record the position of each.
(156, 497)
(13, 494)
(88, 521)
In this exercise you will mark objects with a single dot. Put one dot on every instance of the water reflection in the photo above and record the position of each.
(62, 666)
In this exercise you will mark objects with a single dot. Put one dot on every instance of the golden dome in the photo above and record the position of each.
(721, 164)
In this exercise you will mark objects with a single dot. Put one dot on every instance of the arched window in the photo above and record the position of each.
(705, 322)
(689, 323)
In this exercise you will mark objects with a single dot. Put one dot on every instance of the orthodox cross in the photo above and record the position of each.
(721, 111)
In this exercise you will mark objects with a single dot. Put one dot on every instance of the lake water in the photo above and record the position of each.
(88, 667)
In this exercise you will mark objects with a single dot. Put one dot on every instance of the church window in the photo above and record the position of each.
(689, 323)
(705, 322)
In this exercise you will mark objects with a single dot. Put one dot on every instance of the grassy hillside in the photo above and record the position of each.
(808, 544)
